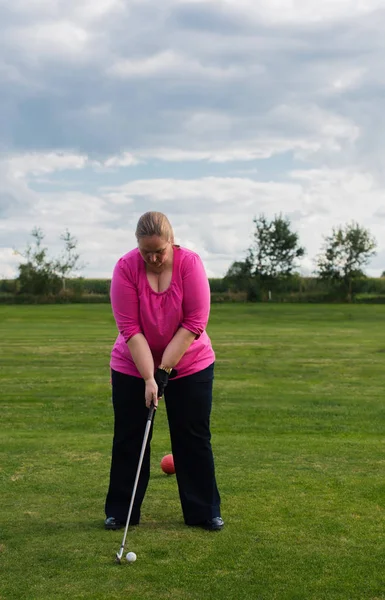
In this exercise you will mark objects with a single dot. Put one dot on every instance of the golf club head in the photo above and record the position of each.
(118, 558)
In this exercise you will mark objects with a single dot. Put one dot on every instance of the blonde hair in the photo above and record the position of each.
(154, 223)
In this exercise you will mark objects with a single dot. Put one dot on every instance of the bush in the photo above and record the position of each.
(9, 286)
(96, 286)
(254, 293)
(38, 282)
(218, 285)
(219, 297)
(4, 296)
(308, 297)
(371, 285)
(76, 286)
(369, 299)
(94, 299)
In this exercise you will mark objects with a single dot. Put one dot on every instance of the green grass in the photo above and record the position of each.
(298, 434)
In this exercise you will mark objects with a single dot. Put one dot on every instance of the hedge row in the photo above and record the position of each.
(295, 284)
(216, 298)
(294, 289)
(59, 299)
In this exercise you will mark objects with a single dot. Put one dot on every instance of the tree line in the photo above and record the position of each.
(275, 250)
(270, 263)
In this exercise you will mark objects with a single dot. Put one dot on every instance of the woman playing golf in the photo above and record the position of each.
(160, 299)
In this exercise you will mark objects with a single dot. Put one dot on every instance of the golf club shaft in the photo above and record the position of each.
(147, 431)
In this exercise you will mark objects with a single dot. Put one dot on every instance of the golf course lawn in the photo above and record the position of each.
(298, 432)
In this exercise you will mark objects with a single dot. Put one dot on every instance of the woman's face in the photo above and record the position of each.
(155, 250)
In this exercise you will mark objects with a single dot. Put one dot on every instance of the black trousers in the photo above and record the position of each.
(188, 403)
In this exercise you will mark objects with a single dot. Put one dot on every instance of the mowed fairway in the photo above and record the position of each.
(298, 435)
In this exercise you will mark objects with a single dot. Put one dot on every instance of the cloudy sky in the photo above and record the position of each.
(212, 111)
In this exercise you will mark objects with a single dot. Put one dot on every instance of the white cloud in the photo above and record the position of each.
(172, 63)
(36, 163)
(124, 160)
(148, 66)
(347, 79)
(86, 10)
(19, 166)
(215, 189)
(93, 10)
(48, 39)
(311, 130)
(298, 11)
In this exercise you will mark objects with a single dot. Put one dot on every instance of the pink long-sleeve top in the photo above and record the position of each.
(137, 308)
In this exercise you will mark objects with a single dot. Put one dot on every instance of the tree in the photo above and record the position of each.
(275, 248)
(68, 262)
(239, 277)
(40, 275)
(239, 272)
(37, 275)
(346, 251)
(272, 255)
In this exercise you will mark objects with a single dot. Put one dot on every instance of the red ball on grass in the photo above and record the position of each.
(167, 464)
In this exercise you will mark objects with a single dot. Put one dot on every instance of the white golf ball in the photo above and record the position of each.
(131, 556)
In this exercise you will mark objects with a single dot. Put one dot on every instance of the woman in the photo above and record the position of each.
(160, 299)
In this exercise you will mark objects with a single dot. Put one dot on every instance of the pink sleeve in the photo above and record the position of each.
(196, 296)
(124, 301)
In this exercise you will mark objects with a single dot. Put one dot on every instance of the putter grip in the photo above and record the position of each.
(151, 411)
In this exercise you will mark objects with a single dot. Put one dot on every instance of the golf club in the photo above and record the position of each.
(147, 430)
